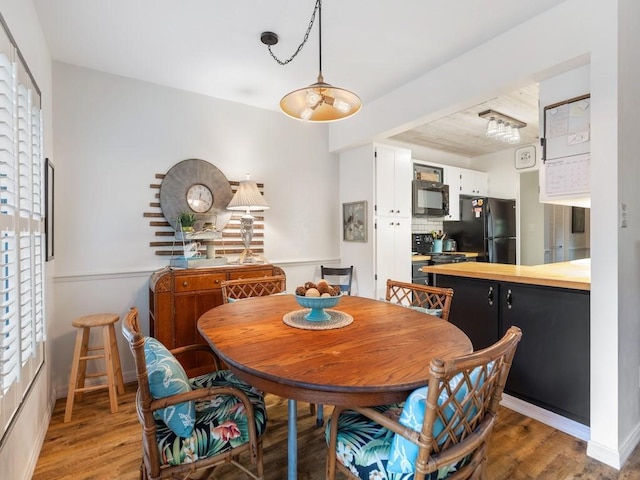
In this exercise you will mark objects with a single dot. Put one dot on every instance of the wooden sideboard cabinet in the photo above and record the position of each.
(178, 297)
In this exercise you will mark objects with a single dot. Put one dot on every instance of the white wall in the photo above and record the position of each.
(531, 238)
(357, 183)
(615, 176)
(19, 450)
(114, 134)
(574, 33)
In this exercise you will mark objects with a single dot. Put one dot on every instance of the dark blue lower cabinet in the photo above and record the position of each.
(551, 366)
(475, 308)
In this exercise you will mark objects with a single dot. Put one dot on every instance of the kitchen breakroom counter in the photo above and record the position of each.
(574, 275)
(422, 258)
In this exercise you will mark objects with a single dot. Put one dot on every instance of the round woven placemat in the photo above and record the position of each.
(296, 319)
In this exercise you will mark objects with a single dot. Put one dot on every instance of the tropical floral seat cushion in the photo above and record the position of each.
(364, 446)
(220, 424)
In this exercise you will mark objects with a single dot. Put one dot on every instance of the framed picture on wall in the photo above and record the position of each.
(577, 220)
(354, 221)
(48, 208)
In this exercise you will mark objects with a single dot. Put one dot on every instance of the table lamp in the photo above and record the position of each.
(247, 198)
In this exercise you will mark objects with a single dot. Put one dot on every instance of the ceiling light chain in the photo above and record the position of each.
(320, 101)
(274, 39)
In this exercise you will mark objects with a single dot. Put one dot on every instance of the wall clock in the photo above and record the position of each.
(525, 157)
(195, 185)
(199, 198)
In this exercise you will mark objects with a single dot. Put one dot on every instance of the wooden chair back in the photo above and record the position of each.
(150, 452)
(463, 396)
(340, 276)
(253, 287)
(417, 295)
(465, 434)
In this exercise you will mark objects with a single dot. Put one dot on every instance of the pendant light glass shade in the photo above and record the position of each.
(502, 127)
(320, 102)
(492, 127)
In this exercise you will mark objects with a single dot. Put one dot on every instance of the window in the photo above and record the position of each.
(22, 331)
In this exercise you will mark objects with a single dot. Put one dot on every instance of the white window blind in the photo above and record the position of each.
(22, 329)
(9, 331)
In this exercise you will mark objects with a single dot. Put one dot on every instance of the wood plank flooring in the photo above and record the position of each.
(97, 445)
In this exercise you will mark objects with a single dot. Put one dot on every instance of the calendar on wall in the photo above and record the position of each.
(566, 147)
(567, 175)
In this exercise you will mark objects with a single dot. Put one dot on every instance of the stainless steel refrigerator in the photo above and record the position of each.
(487, 226)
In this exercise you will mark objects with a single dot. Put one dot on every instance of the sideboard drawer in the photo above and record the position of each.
(190, 283)
(266, 272)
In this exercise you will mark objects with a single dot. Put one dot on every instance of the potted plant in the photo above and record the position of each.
(186, 220)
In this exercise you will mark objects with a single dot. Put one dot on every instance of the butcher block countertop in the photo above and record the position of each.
(422, 258)
(575, 274)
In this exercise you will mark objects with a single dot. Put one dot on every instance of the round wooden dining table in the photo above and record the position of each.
(378, 358)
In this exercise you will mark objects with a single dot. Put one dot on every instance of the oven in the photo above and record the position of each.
(421, 245)
(420, 277)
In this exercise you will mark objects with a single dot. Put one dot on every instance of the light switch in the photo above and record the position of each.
(623, 215)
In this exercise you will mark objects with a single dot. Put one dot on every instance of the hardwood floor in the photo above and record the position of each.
(97, 445)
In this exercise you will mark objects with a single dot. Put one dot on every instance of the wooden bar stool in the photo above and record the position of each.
(83, 352)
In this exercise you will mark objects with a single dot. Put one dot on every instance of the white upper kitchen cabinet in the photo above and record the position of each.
(394, 173)
(473, 182)
(393, 181)
(463, 181)
(452, 177)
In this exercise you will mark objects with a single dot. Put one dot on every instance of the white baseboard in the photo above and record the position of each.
(604, 454)
(42, 433)
(554, 420)
(615, 458)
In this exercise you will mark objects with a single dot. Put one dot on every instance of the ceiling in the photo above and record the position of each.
(463, 133)
(371, 47)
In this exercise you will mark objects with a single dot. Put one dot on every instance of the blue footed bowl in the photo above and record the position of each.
(317, 306)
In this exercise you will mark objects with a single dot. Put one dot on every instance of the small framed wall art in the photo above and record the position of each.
(577, 219)
(354, 221)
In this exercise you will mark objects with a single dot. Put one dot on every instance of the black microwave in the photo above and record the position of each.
(430, 199)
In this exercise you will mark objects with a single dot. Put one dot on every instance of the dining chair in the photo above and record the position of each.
(233, 290)
(340, 276)
(432, 300)
(441, 431)
(192, 424)
(253, 287)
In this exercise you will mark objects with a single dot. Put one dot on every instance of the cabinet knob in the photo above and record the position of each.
(216, 281)
(509, 298)
(490, 296)
(391, 211)
(397, 211)
(184, 284)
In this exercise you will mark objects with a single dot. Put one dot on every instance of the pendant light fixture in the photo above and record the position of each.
(502, 127)
(319, 102)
